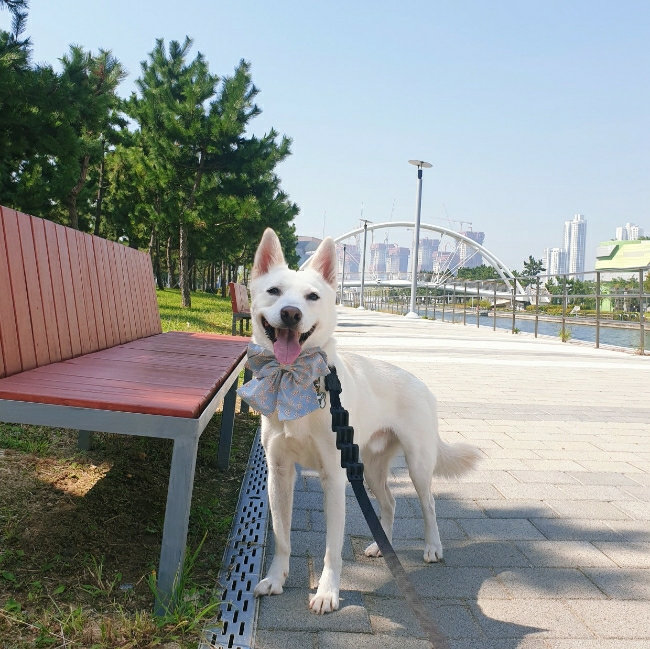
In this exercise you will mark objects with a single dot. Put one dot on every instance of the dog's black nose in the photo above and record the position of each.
(291, 316)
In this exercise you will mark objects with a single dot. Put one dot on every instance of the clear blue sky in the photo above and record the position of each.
(529, 111)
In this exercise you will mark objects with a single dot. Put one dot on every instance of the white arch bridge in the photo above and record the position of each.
(451, 245)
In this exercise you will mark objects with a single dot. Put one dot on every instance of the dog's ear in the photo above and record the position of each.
(325, 262)
(269, 254)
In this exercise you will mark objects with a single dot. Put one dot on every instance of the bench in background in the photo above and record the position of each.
(241, 310)
(81, 347)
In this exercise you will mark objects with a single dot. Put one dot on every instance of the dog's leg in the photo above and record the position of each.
(333, 481)
(281, 479)
(421, 472)
(376, 473)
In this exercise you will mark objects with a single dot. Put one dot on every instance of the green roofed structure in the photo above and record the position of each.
(623, 255)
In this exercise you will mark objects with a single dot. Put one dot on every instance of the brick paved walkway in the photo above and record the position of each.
(547, 544)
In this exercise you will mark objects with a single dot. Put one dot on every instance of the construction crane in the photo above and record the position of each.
(455, 221)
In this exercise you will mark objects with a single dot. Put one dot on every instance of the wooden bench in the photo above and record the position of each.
(81, 347)
(241, 309)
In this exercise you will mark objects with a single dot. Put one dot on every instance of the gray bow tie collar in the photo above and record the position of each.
(289, 389)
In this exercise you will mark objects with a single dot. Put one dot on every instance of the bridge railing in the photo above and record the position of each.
(607, 307)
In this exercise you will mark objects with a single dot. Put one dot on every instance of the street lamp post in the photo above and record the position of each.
(362, 304)
(343, 274)
(420, 164)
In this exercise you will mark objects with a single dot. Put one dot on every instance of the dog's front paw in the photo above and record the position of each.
(268, 586)
(373, 551)
(324, 603)
(433, 553)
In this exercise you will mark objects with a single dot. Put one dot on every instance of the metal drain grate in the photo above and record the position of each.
(243, 561)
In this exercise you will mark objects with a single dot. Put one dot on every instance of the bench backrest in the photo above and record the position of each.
(64, 293)
(239, 298)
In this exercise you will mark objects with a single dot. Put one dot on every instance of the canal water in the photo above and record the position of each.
(608, 335)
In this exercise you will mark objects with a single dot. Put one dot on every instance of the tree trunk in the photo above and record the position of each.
(74, 193)
(100, 193)
(170, 265)
(223, 279)
(184, 271)
(157, 268)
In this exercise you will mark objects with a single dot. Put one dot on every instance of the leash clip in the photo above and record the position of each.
(320, 394)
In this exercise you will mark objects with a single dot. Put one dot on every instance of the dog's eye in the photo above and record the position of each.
(274, 290)
(313, 296)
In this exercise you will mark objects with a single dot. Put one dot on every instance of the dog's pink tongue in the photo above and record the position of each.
(286, 347)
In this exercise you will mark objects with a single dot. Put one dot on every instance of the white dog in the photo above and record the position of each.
(390, 410)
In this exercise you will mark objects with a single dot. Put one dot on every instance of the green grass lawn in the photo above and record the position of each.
(211, 313)
(80, 531)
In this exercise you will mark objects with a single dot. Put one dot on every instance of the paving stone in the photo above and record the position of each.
(637, 510)
(563, 554)
(591, 509)
(560, 529)
(636, 531)
(394, 617)
(628, 643)
(614, 467)
(442, 490)
(285, 640)
(520, 618)
(448, 508)
(544, 477)
(516, 509)
(614, 619)
(641, 478)
(606, 493)
(362, 641)
(548, 583)
(484, 554)
(638, 492)
(439, 581)
(555, 465)
(621, 584)
(300, 520)
(533, 491)
(626, 554)
(500, 530)
(290, 612)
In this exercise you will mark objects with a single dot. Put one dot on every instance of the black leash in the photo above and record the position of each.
(350, 462)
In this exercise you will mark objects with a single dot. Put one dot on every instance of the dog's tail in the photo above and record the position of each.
(455, 459)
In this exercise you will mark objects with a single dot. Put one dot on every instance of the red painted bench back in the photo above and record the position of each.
(64, 293)
(239, 298)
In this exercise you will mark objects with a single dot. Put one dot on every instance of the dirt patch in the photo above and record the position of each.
(80, 535)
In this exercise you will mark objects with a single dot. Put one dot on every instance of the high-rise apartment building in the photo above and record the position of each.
(426, 253)
(555, 261)
(629, 232)
(352, 259)
(377, 258)
(397, 260)
(469, 257)
(575, 244)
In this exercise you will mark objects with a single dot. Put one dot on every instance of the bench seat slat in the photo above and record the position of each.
(34, 295)
(19, 292)
(11, 362)
(179, 387)
(68, 289)
(95, 293)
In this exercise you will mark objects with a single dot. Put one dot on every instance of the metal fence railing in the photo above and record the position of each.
(603, 307)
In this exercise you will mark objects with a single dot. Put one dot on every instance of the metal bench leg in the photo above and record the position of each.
(227, 423)
(234, 326)
(248, 375)
(177, 517)
(84, 440)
